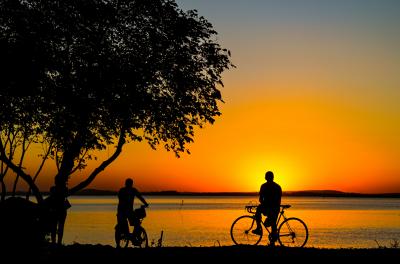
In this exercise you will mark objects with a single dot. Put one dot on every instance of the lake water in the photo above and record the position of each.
(206, 221)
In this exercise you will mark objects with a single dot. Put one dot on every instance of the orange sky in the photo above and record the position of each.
(314, 98)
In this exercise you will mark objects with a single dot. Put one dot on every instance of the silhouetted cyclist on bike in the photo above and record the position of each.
(270, 202)
(126, 196)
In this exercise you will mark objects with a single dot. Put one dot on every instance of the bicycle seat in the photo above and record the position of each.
(285, 206)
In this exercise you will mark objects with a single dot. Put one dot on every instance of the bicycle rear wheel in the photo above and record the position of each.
(241, 231)
(292, 232)
(120, 238)
(125, 240)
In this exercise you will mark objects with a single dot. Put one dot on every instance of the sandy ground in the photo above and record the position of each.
(89, 254)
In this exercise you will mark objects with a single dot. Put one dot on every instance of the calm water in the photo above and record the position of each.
(206, 221)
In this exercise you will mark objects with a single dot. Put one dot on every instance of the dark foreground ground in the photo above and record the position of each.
(228, 254)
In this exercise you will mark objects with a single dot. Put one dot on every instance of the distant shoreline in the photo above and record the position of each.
(311, 193)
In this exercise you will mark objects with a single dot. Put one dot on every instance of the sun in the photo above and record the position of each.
(286, 172)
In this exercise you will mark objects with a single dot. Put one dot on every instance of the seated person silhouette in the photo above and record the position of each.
(126, 196)
(270, 202)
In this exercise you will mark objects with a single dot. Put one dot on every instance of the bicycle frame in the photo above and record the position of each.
(281, 217)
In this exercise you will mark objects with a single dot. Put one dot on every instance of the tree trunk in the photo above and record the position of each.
(3, 190)
(67, 163)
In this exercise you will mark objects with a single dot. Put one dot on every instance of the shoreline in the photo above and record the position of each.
(89, 253)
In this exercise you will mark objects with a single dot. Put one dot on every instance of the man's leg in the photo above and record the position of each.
(272, 218)
(52, 225)
(118, 233)
(60, 231)
(121, 228)
(257, 216)
(53, 235)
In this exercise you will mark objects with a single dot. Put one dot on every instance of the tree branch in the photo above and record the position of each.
(23, 152)
(103, 165)
(46, 155)
(26, 177)
(81, 160)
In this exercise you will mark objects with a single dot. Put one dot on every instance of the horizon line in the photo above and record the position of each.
(298, 192)
(324, 192)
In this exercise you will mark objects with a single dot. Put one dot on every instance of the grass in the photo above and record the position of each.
(393, 244)
(87, 253)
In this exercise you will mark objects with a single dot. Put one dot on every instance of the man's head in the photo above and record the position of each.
(269, 176)
(129, 183)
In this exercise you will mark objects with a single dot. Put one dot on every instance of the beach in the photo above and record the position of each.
(86, 253)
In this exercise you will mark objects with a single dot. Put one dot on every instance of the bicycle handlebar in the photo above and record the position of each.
(252, 208)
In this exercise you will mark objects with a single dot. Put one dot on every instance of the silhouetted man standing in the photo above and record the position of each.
(126, 196)
(57, 205)
(270, 202)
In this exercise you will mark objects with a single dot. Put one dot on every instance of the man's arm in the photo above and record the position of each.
(261, 195)
(139, 195)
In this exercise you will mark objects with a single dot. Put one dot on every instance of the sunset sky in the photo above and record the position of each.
(315, 98)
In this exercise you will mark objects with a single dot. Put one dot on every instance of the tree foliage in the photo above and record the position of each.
(85, 74)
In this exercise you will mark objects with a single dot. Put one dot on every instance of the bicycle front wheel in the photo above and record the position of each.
(241, 231)
(138, 238)
(142, 240)
(292, 232)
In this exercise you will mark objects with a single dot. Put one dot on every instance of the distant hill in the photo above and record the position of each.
(307, 193)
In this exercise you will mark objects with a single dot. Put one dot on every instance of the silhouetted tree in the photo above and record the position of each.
(81, 75)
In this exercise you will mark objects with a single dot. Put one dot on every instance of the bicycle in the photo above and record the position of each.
(292, 232)
(138, 236)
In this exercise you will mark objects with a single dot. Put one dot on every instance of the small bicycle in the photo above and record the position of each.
(138, 236)
(292, 232)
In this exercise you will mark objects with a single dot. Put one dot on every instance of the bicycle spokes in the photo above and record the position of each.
(140, 238)
(293, 233)
(241, 231)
